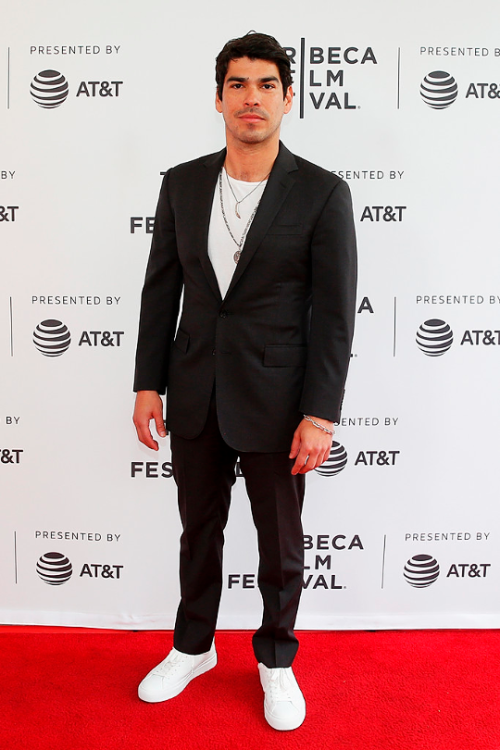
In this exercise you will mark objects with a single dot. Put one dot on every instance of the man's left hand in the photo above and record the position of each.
(310, 445)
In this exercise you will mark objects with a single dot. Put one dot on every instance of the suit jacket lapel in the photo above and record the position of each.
(207, 186)
(279, 184)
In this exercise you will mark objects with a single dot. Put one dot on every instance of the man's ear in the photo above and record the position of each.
(218, 102)
(288, 99)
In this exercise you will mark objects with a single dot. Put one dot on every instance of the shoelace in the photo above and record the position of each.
(280, 686)
(170, 664)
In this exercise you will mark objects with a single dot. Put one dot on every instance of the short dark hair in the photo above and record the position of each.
(256, 46)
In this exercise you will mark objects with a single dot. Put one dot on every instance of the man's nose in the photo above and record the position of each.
(252, 98)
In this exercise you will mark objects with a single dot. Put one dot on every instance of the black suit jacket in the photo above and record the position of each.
(278, 345)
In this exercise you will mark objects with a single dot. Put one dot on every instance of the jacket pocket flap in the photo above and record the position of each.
(182, 340)
(285, 355)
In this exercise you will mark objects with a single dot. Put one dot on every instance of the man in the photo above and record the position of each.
(262, 244)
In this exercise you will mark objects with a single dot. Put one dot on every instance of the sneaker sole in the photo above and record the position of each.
(282, 725)
(178, 687)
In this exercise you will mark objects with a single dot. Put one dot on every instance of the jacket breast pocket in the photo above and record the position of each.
(285, 355)
(181, 340)
(286, 229)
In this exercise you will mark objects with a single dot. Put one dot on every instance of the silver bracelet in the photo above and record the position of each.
(318, 425)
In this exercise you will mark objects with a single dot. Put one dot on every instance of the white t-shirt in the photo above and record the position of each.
(221, 246)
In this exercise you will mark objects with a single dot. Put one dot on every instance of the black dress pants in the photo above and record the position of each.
(204, 470)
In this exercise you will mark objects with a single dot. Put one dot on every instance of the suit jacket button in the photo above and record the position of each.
(213, 351)
(223, 314)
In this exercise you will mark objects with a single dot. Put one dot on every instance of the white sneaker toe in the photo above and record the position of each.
(284, 704)
(173, 674)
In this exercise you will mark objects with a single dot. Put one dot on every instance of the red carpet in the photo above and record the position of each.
(72, 689)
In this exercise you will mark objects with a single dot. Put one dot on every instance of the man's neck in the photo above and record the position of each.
(251, 162)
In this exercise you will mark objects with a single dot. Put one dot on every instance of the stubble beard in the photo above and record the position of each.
(249, 135)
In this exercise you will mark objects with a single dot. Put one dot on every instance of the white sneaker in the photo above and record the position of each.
(172, 675)
(284, 704)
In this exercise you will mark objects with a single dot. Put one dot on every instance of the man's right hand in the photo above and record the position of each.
(148, 406)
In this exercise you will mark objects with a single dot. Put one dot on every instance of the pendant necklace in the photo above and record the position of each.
(246, 196)
(239, 244)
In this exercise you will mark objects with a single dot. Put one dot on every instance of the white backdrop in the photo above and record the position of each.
(406, 534)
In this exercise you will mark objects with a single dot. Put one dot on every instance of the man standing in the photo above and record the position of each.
(262, 245)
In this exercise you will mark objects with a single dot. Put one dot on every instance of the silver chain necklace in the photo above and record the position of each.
(246, 196)
(239, 244)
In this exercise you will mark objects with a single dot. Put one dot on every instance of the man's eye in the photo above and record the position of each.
(269, 85)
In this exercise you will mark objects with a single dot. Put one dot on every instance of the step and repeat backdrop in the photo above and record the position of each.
(97, 101)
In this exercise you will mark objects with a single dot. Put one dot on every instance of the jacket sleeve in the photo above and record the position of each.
(160, 300)
(333, 274)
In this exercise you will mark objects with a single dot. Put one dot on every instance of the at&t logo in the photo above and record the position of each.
(383, 213)
(54, 568)
(52, 338)
(8, 213)
(434, 337)
(439, 89)
(468, 570)
(10, 455)
(335, 462)
(49, 89)
(483, 91)
(337, 459)
(421, 570)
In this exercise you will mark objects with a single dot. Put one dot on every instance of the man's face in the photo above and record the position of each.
(252, 101)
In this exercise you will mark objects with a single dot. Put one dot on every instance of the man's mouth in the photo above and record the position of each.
(249, 116)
